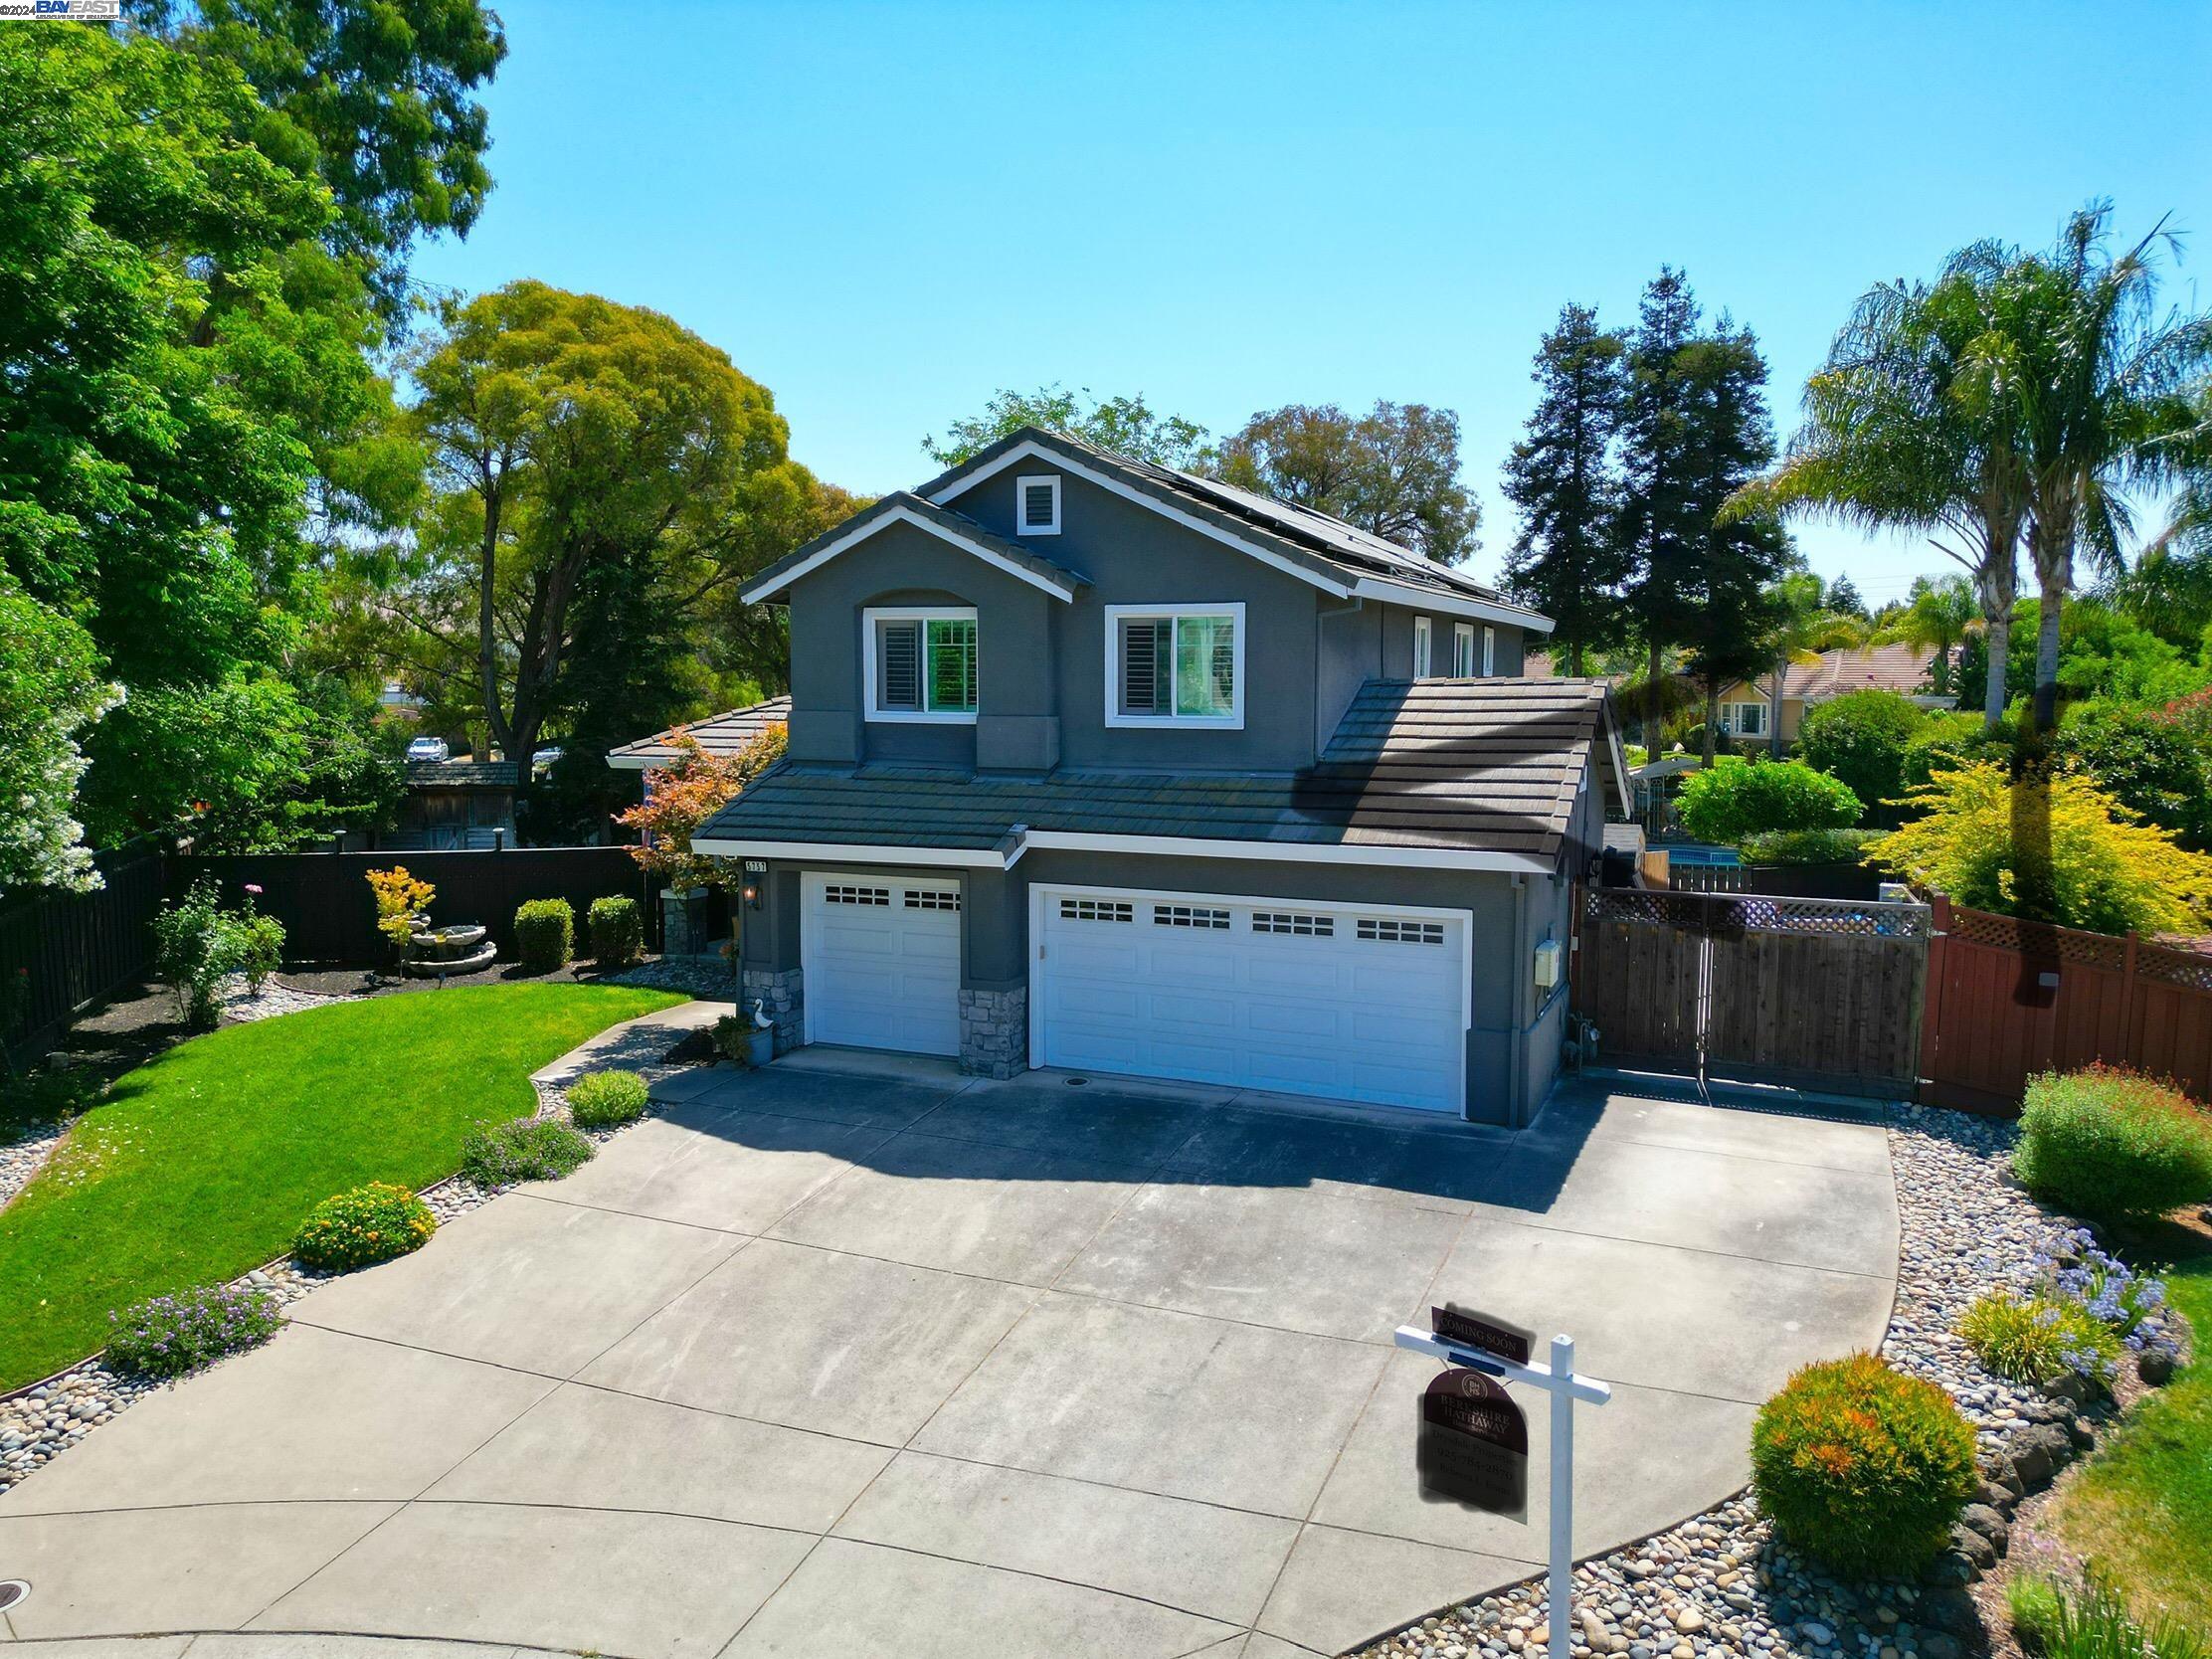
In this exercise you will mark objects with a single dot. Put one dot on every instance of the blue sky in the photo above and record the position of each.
(887, 212)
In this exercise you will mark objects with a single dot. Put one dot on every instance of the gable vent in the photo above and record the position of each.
(1037, 506)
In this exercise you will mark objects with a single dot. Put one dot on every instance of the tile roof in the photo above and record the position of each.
(1460, 766)
(1898, 667)
(460, 774)
(718, 734)
(1314, 539)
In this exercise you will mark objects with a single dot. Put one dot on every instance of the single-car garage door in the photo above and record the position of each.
(881, 956)
(1359, 1005)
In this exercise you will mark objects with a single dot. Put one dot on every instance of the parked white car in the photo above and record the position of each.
(426, 749)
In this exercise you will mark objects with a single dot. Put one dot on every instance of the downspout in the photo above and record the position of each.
(1522, 1015)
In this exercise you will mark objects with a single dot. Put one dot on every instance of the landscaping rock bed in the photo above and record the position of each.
(43, 1421)
(1720, 1583)
(21, 1160)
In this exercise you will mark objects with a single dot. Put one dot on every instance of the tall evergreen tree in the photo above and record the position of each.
(1733, 557)
(1844, 599)
(1567, 559)
(1658, 525)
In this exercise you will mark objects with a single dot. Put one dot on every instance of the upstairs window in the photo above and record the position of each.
(1463, 651)
(1183, 667)
(1425, 650)
(1037, 505)
(921, 663)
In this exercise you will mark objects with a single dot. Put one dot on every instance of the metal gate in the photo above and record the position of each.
(1818, 992)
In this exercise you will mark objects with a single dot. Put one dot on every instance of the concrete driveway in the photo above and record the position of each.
(842, 1362)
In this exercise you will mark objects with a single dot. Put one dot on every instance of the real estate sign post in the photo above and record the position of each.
(1557, 1380)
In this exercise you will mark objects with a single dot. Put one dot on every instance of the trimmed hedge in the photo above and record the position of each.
(2112, 1143)
(1732, 799)
(1805, 847)
(618, 931)
(363, 1227)
(528, 1149)
(605, 1099)
(544, 934)
(1862, 1466)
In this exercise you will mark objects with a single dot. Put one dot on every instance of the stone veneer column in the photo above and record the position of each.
(994, 1032)
(784, 994)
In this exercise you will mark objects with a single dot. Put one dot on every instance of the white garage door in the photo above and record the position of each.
(1358, 1004)
(881, 956)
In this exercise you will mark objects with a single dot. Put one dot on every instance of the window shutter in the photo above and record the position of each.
(1145, 666)
(901, 682)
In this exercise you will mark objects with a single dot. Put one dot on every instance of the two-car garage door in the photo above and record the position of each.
(1358, 1004)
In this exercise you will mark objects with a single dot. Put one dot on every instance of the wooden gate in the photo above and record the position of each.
(1818, 992)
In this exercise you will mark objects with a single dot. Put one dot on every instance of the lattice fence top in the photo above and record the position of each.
(1757, 913)
(2039, 939)
(2188, 969)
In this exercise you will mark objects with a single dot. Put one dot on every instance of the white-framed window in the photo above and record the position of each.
(1463, 651)
(1424, 650)
(921, 663)
(1743, 719)
(1037, 505)
(1488, 653)
(1175, 666)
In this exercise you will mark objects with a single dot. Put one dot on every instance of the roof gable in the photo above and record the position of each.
(1339, 558)
(903, 508)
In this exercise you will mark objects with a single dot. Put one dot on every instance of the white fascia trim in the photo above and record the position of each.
(1032, 449)
(1116, 615)
(751, 593)
(1289, 853)
(633, 762)
(1450, 604)
(903, 857)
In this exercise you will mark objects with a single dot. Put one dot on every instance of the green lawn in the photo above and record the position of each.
(203, 1163)
(2143, 1505)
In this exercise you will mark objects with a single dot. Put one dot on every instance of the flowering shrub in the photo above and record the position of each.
(2132, 1305)
(528, 1149)
(167, 1336)
(683, 796)
(261, 945)
(361, 1228)
(607, 1098)
(1862, 1466)
(2107, 1142)
(197, 946)
(399, 900)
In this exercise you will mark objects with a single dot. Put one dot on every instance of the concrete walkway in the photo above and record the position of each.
(865, 1358)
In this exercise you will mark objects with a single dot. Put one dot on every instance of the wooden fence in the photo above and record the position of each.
(2008, 998)
(67, 951)
(1809, 991)
(62, 951)
(1828, 881)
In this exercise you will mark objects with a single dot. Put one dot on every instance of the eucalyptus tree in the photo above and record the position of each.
(1902, 432)
(2098, 378)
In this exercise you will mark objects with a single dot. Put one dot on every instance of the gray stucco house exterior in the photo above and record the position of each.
(1097, 765)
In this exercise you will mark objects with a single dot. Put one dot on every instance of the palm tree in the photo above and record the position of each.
(1894, 439)
(1941, 614)
(2098, 380)
(1802, 628)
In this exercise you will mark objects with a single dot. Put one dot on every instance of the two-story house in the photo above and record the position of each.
(1097, 765)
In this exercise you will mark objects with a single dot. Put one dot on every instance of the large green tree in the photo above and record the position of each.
(374, 97)
(604, 480)
(1566, 559)
(1659, 522)
(1127, 426)
(1393, 471)
(190, 405)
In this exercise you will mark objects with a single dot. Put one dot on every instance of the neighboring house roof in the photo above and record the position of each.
(718, 734)
(1898, 667)
(1337, 557)
(1469, 773)
(903, 508)
(460, 774)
